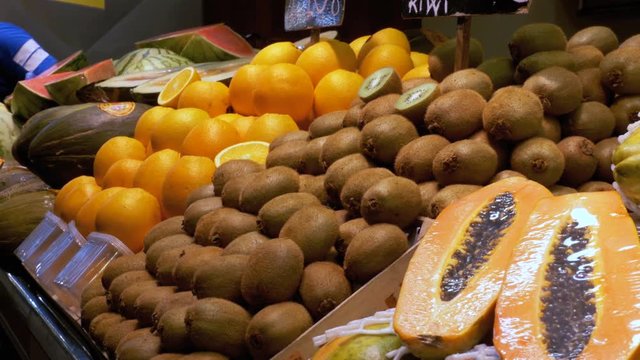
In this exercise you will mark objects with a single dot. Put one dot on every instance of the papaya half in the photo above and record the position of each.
(448, 295)
(573, 289)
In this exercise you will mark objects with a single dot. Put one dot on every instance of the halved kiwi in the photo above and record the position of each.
(413, 103)
(381, 82)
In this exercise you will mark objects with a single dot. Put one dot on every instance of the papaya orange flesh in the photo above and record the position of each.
(573, 289)
(447, 300)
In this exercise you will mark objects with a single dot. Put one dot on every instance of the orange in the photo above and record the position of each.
(121, 173)
(269, 126)
(188, 174)
(386, 55)
(336, 91)
(67, 189)
(209, 137)
(171, 92)
(419, 58)
(356, 44)
(228, 117)
(284, 89)
(381, 37)
(86, 216)
(325, 56)
(170, 132)
(255, 151)
(280, 52)
(114, 149)
(242, 125)
(154, 169)
(129, 215)
(242, 88)
(212, 97)
(148, 121)
(73, 201)
(421, 71)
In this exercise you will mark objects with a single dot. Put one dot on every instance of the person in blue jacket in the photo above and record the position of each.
(21, 57)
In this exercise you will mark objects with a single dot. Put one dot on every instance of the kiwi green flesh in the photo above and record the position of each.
(413, 103)
(381, 82)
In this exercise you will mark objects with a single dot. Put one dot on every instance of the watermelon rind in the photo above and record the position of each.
(73, 62)
(63, 91)
(25, 102)
(149, 59)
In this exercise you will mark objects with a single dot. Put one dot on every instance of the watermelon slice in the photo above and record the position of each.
(73, 62)
(63, 90)
(203, 44)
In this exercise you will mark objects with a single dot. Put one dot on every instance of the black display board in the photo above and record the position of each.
(593, 6)
(313, 14)
(431, 8)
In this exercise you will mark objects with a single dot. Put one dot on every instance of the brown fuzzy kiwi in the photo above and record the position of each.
(274, 327)
(353, 115)
(592, 120)
(323, 287)
(146, 303)
(204, 355)
(592, 186)
(175, 300)
(314, 185)
(94, 307)
(278, 261)
(632, 41)
(123, 281)
(538, 159)
(580, 161)
(342, 216)
(287, 154)
(415, 82)
(92, 289)
(559, 89)
(116, 333)
(163, 245)
(218, 325)
(170, 226)
(173, 331)
(601, 37)
(310, 157)
(129, 296)
(540, 61)
(229, 227)
(275, 213)
(551, 129)
(347, 231)
(558, 190)
(502, 148)
(101, 324)
(513, 114)
(532, 38)
(383, 137)
(340, 144)
(244, 244)
(372, 250)
(121, 265)
(314, 229)
(592, 89)
(394, 200)
(603, 152)
(500, 70)
(626, 110)
(340, 171)
(448, 194)
(620, 71)
(357, 184)
(143, 346)
(270, 183)
(167, 262)
(413, 103)
(203, 192)
(427, 191)
(465, 162)
(506, 174)
(381, 82)
(442, 57)
(327, 124)
(290, 136)
(586, 56)
(231, 170)
(190, 261)
(170, 356)
(233, 188)
(384, 105)
(221, 279)
(196, 210)
(207, 221)
(447, 116)
(471, 79)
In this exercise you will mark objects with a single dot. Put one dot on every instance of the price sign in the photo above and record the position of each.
(98, 4)
(313, 14)
(431, 8)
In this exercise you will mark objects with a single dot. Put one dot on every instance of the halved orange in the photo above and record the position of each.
(171, 92)
(256, 151)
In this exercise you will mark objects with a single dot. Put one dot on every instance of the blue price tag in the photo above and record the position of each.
(313, 14)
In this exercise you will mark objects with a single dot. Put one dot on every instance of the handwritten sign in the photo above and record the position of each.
(98, 4)
(431, 8)
(313, 14)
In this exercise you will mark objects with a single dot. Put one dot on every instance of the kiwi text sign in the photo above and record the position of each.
(313, 14)
(431, 8)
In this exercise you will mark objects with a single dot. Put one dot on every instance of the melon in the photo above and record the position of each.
(149, 59)
(63, 89)
(202, 44)
(8, 133)
(30, 96)
(73, 62)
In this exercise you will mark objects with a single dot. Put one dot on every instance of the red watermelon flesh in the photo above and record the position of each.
(63, 89)
(31, 96)
(73, 62)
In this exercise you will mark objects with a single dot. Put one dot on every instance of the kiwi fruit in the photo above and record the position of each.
(340, 171)
(172, 356)
(442, 58)
(229, 227)
(415, 160)
(114, 334)
(169, 242)
(221, 278)
(175, 300)
(471, 79)
(204, 355)
(586, 56)
(92, 289)
(146, 303)
(101, 324)
(592, 186)
(94, 307)
(381, 82)
(626, 110)
(602, 37)
(123, 281)
(559, 190)
(274, 327)
(504, 174)
(170, 226)
(621, 71)
(357, 184)
(310, 157)
(603, 152)
(196, 210)
(551, 129)
(632, 41)
(427, 191)
(287, 154)
(500, 70)
(206, 223)
(190, 262)
(270, 183)
(121, 265)
(372, 250)
(353, 115)
(323, 287)
(592, 89)
(513, 114)
(559, 89)
(218, 325)
(538, 159)
(279, 261)
(277, 211)
(394, 200)
(338, 145)
(532, 38)
(465, 162)
(144, 346)
(314, 185)
(314, 229)
(447, 195)
(203, 192)
(383, 137)
(580, 161)
(411, 83)
(290, 136)
(327, 124)
(233, 188)
(542, 60)
(447, 117)
(346, 232)
(592, 120)
(129, 296)
(245, 244)
(342, 216)
(384, 105)
(413, 103)
(173, 331)
(233, 169)
(502, 148)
